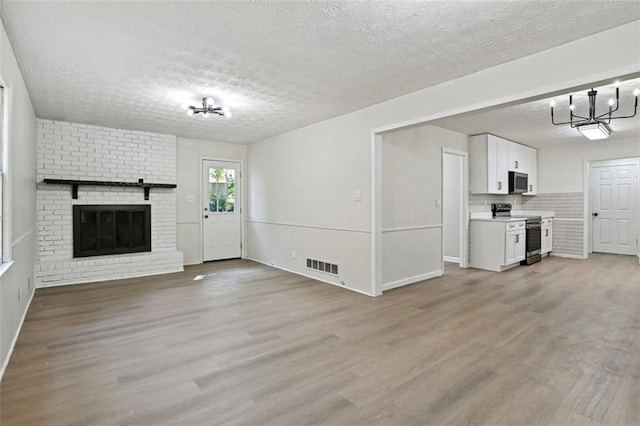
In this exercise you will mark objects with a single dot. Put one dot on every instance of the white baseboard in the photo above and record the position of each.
(451, 259)
(15, 337)
(567, 256)
(411, 280)
(309, 276)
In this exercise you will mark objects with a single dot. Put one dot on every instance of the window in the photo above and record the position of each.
(222, 190)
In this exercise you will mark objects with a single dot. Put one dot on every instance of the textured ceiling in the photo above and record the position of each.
(530, 123)
(279, 65)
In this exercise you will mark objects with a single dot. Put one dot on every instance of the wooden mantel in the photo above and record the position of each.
(75, 183)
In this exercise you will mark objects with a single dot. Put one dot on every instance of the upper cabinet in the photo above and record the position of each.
(491, 160)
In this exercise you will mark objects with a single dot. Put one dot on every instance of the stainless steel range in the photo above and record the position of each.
(534, 231)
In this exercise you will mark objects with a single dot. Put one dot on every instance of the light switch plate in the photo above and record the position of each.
(438, 202)
(356, 195)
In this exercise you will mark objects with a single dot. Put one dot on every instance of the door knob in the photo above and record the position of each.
(594, 214)
(206, 216)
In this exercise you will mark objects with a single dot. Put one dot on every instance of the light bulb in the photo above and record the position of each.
(225, 109)
(617, 83)
(227, 114)
(636, 92)
(571, 107)
(190, 111)
(553, 103)
(209, 102)
(205, 114)
(611, 102)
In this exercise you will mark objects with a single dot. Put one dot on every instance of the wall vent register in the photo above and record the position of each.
(318, 265)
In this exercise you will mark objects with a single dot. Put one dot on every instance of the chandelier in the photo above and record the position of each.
(595, 126)
(209, 107)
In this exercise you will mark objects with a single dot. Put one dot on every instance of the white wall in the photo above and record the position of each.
(561, 169)
(452, 204)
(21, 199)
(304, 179)
(412, 201)
(190, 153)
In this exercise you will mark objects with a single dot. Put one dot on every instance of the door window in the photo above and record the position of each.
(222, 190)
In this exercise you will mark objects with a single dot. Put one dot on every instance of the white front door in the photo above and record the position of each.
(614, 206)
(221, 210)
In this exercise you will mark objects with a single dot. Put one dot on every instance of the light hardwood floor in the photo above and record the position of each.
(553, 343)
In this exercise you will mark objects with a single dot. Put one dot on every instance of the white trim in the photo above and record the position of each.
(299, 225)
(451, 259)
(243, 203)
(567, 219)
(376, 214)
(15, 337)
(410, 228)
(309, 276)
(567, 256)
(4, 267)
(464, 243)
(22, 237)
(412, 280)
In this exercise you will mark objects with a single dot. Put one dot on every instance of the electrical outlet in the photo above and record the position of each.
(293, 254)
(190, 198)
(343, 283)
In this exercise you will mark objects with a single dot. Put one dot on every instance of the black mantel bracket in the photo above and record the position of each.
(75, 183)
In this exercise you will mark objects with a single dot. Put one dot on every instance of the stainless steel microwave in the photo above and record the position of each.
(518, 183)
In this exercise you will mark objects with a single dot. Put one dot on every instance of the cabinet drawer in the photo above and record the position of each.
(515, 226)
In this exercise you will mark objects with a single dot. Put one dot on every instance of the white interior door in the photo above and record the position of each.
(614, 207)
(222, 224)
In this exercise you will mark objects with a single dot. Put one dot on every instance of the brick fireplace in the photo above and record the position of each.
(83, 152)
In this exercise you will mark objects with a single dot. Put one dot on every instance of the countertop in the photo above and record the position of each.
(499, 219)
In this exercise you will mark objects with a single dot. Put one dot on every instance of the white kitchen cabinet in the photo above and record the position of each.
(497, 245)
(532, 170)
(547, 235)
(491, 159)
(518, 157)
(488, 168)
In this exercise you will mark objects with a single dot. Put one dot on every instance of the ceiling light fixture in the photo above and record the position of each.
(595, 126)
(209, 107)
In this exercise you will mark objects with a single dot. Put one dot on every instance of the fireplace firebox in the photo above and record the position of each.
(111, 229)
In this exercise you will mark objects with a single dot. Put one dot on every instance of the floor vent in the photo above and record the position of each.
(319, 265)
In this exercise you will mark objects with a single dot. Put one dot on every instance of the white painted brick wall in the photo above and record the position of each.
(78, 151)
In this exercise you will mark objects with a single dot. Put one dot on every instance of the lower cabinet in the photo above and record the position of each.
(516, 248)
(547, 235)
(497, 245)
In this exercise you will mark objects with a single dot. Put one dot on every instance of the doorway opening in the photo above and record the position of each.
(453, 206)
